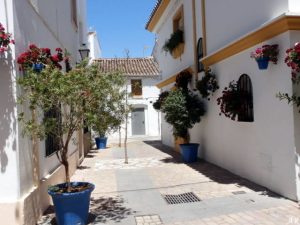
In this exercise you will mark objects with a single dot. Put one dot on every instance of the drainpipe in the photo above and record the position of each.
(195, 43)
(203, 27)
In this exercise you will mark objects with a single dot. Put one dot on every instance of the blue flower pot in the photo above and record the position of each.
(189, 152)
(263, 63)
(101, 142)
(38, 67)
(72, 208)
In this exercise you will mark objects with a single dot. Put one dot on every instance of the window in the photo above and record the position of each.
(178, 22)
(245, 90)
(52, 143)
(74, 11)
(136, 87)
(200, 55)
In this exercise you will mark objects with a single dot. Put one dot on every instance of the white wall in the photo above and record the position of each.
(152, 117)
(167, 64)
(294, 6)
(262, 151)
(94, 45)
(9, 190)
(46, 24)
(238, 18)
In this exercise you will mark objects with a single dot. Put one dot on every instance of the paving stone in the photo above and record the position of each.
(128, 194)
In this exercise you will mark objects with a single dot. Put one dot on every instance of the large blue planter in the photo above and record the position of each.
(101, 142)
(189, 152)
(72, 208)
(263, 63)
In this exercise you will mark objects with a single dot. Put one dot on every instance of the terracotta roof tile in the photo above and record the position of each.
(158, 2)
(129, 66)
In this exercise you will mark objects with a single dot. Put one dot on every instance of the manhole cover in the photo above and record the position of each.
(181, 198)
(238, 192)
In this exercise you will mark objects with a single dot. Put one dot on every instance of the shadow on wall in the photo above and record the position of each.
(7, 106)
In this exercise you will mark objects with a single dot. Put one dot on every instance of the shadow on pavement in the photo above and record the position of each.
(102, 209)
(215, 173)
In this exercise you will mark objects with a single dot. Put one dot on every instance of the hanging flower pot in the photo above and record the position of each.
(37, 67)
(263, 63)
(264, 54)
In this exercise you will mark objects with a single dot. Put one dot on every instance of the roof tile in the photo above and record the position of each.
(129, 66)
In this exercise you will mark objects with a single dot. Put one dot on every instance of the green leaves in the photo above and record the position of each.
(182, 110)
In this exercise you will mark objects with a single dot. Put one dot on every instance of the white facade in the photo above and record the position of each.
(265, 151)
(94, 45)
(23, 197)
(145, 101)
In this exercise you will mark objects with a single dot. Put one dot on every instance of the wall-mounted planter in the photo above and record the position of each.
(38, 67)
(263, 63)
(178, 51)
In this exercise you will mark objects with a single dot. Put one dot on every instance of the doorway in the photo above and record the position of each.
(138, 121)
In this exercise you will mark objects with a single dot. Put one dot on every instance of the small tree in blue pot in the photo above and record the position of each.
(183, 109)
(71, 95)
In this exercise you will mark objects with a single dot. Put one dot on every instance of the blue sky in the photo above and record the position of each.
(120, 25)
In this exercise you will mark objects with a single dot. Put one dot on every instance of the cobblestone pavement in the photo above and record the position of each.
(133, 194)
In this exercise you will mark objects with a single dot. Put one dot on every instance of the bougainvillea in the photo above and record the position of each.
(231, 101)
(208, 84)
(35, 55)
(5, 39)
(292, 60)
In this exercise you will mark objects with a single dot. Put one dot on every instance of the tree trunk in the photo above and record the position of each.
(120, 138)
(126, 123)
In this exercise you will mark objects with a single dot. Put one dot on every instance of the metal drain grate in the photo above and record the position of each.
(238, 192)
(181, 198)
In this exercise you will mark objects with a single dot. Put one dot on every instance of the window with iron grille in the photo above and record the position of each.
(52, 143)
(200, 55)
(245, 90)
(136, 87)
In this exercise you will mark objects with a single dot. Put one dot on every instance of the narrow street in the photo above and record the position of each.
(198, 193)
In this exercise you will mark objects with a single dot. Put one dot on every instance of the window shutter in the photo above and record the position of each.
(200, 55)
(245, 90)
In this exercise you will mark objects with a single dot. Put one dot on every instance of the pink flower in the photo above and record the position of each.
(58, 49)
(32, 47)
(2, 50)
(258, 51)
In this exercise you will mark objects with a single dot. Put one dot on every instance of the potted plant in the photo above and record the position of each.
(37, 58)
(182, 109)
(5, 39)
(264, 54)
(208, 84)
(175, 44)
(71, 95)
(106, 115)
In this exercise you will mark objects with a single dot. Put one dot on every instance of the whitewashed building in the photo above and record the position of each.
(27, 169)
(94, 45)
(265, 151)
(142, 75)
